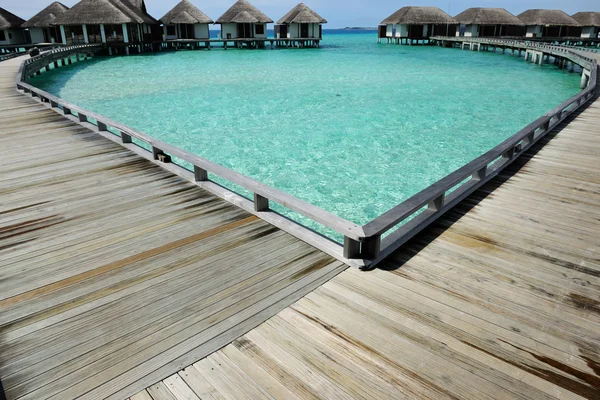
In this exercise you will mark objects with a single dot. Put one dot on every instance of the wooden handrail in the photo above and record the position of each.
(286, 200)
(363, 244)
(436, 199)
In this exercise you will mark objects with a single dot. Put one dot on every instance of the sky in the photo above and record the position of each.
(339, 13)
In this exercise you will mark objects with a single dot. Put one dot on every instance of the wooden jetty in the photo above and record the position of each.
(114, 272)
(499, 299)
(539, 53)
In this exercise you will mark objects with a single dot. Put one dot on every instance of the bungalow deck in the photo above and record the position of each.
(241, 42)
(116, 274)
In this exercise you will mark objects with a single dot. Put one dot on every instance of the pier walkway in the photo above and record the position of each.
(116, 277)
(499, 299)
(114, 272)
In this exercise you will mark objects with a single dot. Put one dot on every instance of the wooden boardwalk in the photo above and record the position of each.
(115, 273)
(500, 299)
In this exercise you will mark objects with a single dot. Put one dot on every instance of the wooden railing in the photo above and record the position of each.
(8, 56)
(49, 55)
(363, 246)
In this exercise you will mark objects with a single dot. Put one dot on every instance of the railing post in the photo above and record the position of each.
(530, 137)
(509, 154)
(82, 117)
(437, 203)
(125, 138)
(260, 203)
(351, 248)
(200, 174)
(66, 111)
(368, 248)
(155, 152)
(480, 174)
(371, 247)
(101, 126)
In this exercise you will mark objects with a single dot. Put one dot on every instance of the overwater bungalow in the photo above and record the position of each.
(488, 22)
(300, 23)
(186, 21)
(243, 21)
(108, 21)
(590, 23)
(10, 28)
(41, 26)
(549, 24)
(412, 24)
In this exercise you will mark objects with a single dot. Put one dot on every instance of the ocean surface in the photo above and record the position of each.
(354, 127)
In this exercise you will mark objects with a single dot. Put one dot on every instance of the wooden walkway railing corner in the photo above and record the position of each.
(363, 246)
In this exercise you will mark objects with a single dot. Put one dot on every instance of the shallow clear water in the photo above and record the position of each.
(354, 127)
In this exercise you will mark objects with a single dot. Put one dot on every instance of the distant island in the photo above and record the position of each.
(359, 28)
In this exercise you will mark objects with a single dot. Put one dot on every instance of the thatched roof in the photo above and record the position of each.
(487, 16)
(9, 20)
(419, 16)
(244, 18)
(587, 18)
(106, 12)
(238, 12)
(46, 17)
(185, 13)
(301, 14)
(547, 17)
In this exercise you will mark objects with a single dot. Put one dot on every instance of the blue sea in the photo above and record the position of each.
(354, 127)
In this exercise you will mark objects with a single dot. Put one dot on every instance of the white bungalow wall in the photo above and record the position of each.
(589, 32)
(389, 30)
(402, 30)
(232, 29)
(470, 31)
(534, 31)
(13, 36)
(37, 35)
(229, 29)
(201, 31)
(313, 31)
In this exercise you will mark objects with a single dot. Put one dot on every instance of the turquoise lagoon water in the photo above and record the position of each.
(354, 127)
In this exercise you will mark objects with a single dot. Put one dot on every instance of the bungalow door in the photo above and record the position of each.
(304, 31)
(415, 31)
(191, 33)
(283, 31)
(245, 31)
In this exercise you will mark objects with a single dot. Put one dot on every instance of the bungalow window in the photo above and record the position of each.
(9, 35)
(260, 29)
(171, 30)
(2, 35)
